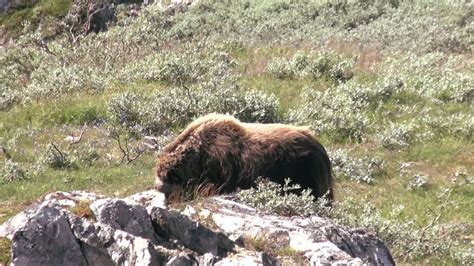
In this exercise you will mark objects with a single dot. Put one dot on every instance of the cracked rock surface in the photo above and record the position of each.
(142, 230)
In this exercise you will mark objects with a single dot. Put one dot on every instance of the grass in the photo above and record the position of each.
(445, 151)
(82, 209)
(5, 251)
(114, 180)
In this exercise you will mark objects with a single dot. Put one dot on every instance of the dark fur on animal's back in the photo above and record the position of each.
(220, 150)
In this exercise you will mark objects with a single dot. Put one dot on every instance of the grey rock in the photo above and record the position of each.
(8, 228)
(191, 234)
(278, 238)
(139, 230)
(105, 245)
(268, 260)
(208, 259)
(248, 259)
(92, 246)
(149, 198)
(4, 6)
(183, 260)
(124, 215)
(46, 239)
(130, 250)
(319, 239)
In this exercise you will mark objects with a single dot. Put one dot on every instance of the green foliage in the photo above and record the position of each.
(57, 159)
(83, 210)
(12, 171)
(288, 252)
(433, 79)
(34, 11)
(334, 112)
(313, 65)
(279, 199)
(417, 181)
(397, 136)
(364, 169)
(176, 107)
(409, 241)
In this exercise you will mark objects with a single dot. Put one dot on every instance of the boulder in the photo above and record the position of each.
(142, 230)
(46, 239)
(124, 215)
(192, 234)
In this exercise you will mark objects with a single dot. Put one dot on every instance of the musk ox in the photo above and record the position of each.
(227, 154)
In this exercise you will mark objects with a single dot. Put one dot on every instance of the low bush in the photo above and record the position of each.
(57, 159)
(364, 169)
(12, 171)
(175, 107)
(397, 136)
(275, 198)
(333, 112)
(322, 65)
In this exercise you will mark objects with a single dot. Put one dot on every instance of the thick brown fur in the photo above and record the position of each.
(224, 152)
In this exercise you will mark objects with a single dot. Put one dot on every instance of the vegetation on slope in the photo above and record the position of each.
(386, 85)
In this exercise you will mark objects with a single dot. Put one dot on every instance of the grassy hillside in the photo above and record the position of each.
(387, 86)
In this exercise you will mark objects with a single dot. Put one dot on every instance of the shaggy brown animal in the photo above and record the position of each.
(228, 154)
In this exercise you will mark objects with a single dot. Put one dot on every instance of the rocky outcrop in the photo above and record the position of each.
(80, 228)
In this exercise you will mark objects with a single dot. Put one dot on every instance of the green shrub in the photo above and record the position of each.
(174, 108)
(57, 159)
(83, 210)
(335, 113)
(418, 181)
(274, 198)
(433, 76)
(12, 171)
(364, 169)
(124, 109)
(406, 239)
(315, 65)
(397, 136)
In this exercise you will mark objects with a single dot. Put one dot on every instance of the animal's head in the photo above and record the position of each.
(177, 167)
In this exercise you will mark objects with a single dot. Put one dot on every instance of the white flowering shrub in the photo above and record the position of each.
(417, 27)
(178, 106)
(12, 171)
(334, 112)
(57, 159)
(281, 199)
(54, 79)
(188, 66)
(418, 181)
(397, 136)
(406, 239)
(433, 76)
(124, 109)
(364, 169)
(459, 124)
(314, 65)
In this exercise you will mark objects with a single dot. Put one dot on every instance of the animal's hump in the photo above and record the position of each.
(200, 123)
